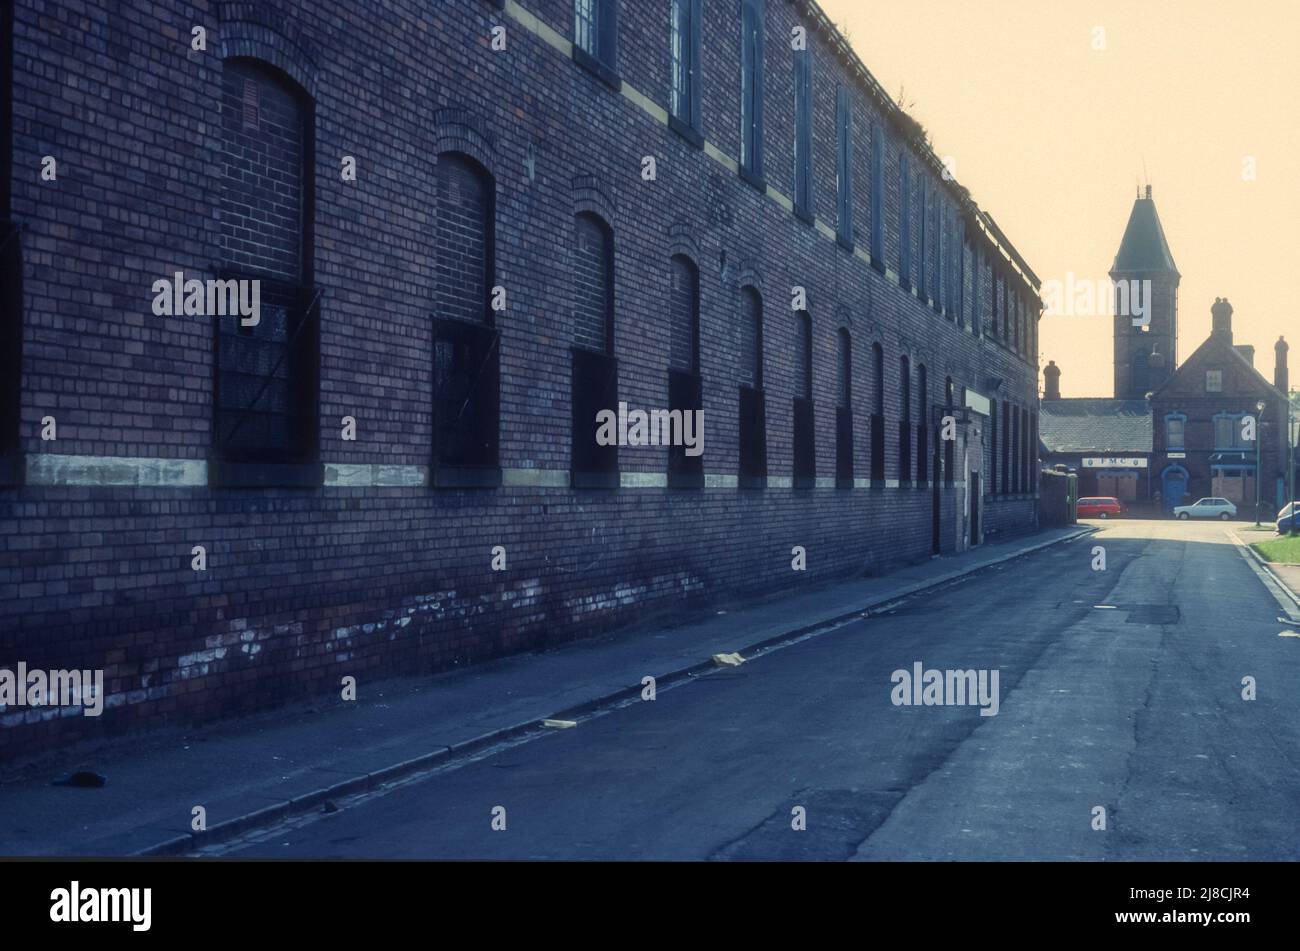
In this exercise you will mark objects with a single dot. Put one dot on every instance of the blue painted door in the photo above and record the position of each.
(1174, 482)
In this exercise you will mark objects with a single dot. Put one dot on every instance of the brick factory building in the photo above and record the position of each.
(473, 226)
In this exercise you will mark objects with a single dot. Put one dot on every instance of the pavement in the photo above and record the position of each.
(1148, 709)
(297, 764)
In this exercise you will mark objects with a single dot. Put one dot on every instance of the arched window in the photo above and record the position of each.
(1008, 441)
(463, 248)
(923, 425)
(751, 338)
(993, 484)
(844, 410)
(593, 266)
(877, 416)
(11, 272)
(844, 362)
(684, 315)
(466, 348)
(266, 426)
(753, 423)
(803, 356)
(949, 445)
(803, 432)
(594, 458)
(685, 387)
(904, 419)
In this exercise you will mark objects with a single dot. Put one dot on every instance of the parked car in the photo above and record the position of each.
(1207, 508)
(1286, 517)
(1100, 507)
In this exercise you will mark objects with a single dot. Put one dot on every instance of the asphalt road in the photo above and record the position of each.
(1119, 689)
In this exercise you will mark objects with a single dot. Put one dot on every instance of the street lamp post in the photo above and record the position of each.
(1294, 421)
(1259, 443)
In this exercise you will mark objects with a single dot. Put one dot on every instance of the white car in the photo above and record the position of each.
(1207, 508)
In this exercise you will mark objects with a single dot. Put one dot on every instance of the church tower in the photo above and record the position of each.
(1146, 354)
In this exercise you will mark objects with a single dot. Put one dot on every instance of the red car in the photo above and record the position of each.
(1100, 507)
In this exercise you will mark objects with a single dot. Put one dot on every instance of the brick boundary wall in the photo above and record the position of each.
(374, 573)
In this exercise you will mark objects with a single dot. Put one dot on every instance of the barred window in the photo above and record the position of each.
(466, 349)
(266, 392)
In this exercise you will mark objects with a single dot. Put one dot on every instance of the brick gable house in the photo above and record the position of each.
(1203, 418)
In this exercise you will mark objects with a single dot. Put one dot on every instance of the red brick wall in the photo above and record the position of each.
(306, 586)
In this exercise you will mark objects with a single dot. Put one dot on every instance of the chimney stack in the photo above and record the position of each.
(1221, 313)
(1279, 369)
(1051, 381)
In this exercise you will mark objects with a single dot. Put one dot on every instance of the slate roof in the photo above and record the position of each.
(1105, 426)
(1215, 342)
(1144, 247)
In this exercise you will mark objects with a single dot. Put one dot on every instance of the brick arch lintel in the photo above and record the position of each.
(459, 130)
(280, 47)
(589, 197)
(681, 240)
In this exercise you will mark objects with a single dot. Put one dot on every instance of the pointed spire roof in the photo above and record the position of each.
(1144, 247)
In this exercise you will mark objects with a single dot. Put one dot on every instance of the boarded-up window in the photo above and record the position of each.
(685, 389)
(751, 339)
(803, 356)
(466, 388)
(266, 389)
(684, 315)
(844, 362)
(593, 269)
(262, 189)
(462, 252)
